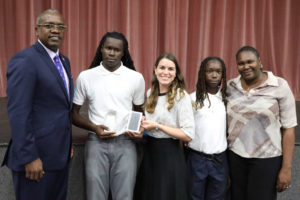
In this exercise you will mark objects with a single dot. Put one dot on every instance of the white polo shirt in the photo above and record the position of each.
(110, 95)
(210, 125)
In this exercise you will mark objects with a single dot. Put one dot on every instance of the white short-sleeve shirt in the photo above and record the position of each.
(110, 95)
(210, 125)
(180, 115)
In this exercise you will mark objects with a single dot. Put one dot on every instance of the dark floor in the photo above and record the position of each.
(79, 135)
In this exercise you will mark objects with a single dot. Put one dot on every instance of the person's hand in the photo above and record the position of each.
(72, 151)
(104, 133)
(135, 135)
(34, 170)
(228, 182)
(148, 125)
(284, 179)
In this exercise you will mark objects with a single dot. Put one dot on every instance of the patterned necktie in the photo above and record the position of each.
(60, 70)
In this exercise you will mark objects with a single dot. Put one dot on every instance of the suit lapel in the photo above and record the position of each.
(70, 77)
(50, 64)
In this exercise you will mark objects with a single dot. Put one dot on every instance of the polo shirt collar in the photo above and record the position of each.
(271, 81)
(218, 94)
(105, 72)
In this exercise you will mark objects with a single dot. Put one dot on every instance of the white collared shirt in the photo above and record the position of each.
(210, 125)
(110, 95)
(52, 55)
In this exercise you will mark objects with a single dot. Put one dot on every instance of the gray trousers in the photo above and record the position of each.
(110, 164)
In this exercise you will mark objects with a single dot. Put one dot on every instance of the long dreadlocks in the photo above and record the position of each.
(126, 59)
(201, 92)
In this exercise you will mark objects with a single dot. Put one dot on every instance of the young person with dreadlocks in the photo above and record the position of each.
(207, 161)
(112, 89)
(169, 119)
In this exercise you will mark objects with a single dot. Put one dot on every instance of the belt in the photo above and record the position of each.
(210, 157)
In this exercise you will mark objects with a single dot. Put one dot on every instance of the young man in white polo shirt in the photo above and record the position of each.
(207, 161)
(112, 89)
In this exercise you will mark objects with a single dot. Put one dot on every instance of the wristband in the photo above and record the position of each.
(156, 126)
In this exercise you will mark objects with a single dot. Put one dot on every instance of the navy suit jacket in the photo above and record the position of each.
(38, 108)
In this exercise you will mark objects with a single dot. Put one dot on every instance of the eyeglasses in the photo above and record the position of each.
(53, 26)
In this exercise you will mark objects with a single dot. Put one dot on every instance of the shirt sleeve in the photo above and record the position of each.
(186, 116)
(80, 90)
(139, 93)
(287, 107)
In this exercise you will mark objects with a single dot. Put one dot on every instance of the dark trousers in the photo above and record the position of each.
(207, 176)
(53, 186)
(253, 178)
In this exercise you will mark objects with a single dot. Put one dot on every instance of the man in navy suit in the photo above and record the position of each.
(39, 94)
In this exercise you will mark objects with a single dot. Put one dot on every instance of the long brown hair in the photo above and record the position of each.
(178, 83)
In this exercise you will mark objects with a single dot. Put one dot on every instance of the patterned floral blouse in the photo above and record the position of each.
(255, 118)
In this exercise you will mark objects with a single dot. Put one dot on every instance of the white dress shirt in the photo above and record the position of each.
(52, 55)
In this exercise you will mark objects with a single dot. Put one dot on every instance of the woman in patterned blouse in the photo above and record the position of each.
(261, 115)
